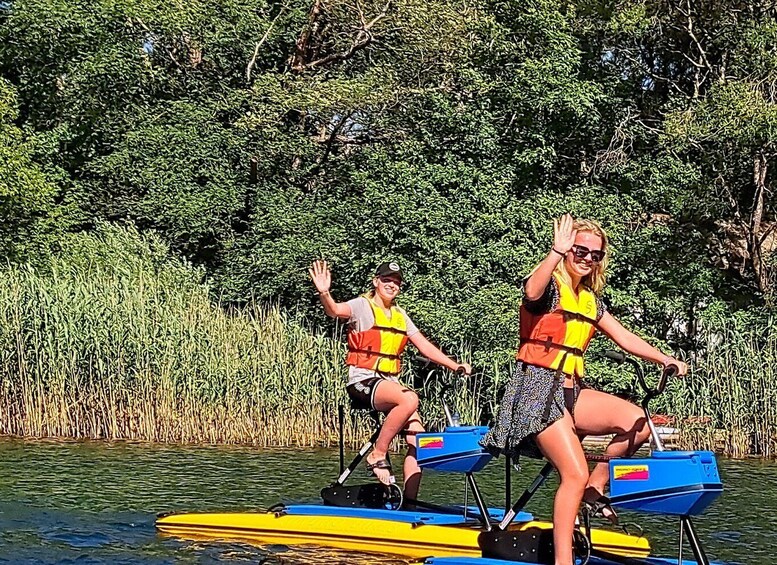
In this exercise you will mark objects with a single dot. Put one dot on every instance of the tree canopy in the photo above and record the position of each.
(255, 136)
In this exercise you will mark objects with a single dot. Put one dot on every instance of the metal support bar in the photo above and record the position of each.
(466, 498)
(693, 540)
(359, 456)
(508, 484)
(680, 544)
(526, 496)
(484, 516)
(659, 445)
(340, 418)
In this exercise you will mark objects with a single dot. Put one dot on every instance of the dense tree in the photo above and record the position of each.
(701, 79)
(255, 136)
(30, 215)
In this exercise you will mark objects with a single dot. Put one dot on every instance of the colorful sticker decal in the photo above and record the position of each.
(630, 472)
(435, 442)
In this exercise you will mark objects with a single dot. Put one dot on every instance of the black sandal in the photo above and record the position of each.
(380, 464)
(602, 507)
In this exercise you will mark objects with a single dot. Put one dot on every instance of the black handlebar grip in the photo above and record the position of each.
(670, 371)
(617, 356)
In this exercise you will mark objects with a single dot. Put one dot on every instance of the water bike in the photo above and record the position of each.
(370, 517)
(679, 484)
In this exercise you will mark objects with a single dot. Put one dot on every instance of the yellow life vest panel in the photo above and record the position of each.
(379, 348)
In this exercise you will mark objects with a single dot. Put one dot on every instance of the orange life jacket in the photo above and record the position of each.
(379, 348)
(562, 335)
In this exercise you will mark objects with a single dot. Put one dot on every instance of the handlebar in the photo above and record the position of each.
(426, 363)
(617, 356)
(424, 360)
(650, 393)
(446, 384)
(670, 371)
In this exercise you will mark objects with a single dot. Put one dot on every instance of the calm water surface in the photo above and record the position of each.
(96, 503)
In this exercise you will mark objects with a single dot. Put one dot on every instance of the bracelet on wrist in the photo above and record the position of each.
(554, 250)
(323, 292)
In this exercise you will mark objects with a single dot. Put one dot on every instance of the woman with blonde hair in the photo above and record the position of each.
(546, 408)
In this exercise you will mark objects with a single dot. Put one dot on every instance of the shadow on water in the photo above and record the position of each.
(91, 502)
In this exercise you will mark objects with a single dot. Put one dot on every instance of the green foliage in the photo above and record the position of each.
(256, 136)
(735, 113)
(27, 197)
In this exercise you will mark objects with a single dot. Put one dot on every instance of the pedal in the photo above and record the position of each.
(371, 495)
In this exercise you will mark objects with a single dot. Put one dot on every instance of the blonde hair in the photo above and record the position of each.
(597, 278)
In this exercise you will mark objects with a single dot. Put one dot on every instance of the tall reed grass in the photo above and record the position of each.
(728, 403)
(113, 339)
(116, 340)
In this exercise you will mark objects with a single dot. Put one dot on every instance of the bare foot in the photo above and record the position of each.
(380, 467)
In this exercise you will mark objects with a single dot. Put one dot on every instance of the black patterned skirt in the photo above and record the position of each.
(533, 400)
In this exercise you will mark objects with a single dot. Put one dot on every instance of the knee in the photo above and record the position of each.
(575, 476)
(643, 431)
(634, 426)
(409, 400)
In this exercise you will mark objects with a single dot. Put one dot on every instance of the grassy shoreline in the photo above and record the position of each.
(115, 340)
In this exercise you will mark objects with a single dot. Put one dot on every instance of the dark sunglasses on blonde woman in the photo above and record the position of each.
(581, 252)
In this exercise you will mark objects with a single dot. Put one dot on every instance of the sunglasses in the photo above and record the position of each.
(581, 252)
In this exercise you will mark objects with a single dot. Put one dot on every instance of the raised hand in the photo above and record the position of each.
(563, 233)
(321, 276)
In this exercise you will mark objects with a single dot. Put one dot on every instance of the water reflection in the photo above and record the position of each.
(91, 502)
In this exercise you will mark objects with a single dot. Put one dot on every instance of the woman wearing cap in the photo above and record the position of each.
(378, 331)
(546, 408)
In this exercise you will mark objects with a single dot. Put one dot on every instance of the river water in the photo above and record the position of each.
(93, 503)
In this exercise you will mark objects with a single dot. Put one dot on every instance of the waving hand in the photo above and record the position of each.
(563, 233)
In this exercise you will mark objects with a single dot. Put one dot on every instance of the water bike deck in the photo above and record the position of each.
(413, 534)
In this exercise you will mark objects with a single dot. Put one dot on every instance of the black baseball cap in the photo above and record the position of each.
(388, 269)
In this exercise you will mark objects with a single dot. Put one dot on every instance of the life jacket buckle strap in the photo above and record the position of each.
(548, 343)
(377, 353)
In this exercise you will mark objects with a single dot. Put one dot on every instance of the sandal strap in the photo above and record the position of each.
(600, 502)
(379, 464)
(598, 506)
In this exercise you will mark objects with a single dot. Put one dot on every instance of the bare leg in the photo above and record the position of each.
(560, 445)
(411, 469)
(598, 413)
(399, 403)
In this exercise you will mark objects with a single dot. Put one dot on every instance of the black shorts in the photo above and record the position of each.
(362, 392)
